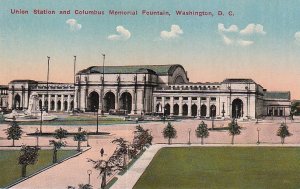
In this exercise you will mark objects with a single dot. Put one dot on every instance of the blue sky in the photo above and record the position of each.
(207, 52)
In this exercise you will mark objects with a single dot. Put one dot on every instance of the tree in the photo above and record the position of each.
(233, 129)
(121, 150)
(14, 132)
(202, 131)
(29, 156)
(79, 137)
(81, 186)
(283, 132)
(106, 168)
(60, 133)
(142, 138)
(56, 146)
(169, 132)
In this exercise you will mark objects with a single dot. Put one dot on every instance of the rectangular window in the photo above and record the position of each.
(203, 98)
(185, 98)
(213, 99)
(158, 98)
(194, 98)
(167, 98)
(176, 98)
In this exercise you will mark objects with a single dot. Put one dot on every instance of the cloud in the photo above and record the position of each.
(124, 34)
(73, 24)
(174, 33)
(253, 28)
(297, 36)
(232, 28)
(233, 36)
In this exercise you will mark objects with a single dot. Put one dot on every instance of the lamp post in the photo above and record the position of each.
(41, 123)
(223, 110)
(48, 57)
(74, 84)
(258, 129)
(89, 172)
(87, 138)
(97, 131)
(102, 91)
(37, 133)
(189, 142)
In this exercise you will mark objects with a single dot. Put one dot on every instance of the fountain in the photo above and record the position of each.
(33, 113)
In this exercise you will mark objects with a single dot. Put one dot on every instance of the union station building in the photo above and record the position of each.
(150, 89)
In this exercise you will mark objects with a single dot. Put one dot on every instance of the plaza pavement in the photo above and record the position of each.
(74, 171)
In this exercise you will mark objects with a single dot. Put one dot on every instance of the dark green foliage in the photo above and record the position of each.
(79, 137)
(14, 132)
(202, 131)
(60, 133)
(142, 138)
(29, 156)
(283, 132)
(233, 129)
(81, 186)
(121, 151)
(56, 146)
(169, 132)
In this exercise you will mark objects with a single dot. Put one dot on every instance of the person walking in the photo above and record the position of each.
(102, 152)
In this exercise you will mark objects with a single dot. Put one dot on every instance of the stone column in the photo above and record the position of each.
(208, 107)
(171, 105)
(69, 102)
(43, 100)
(55, 103)
(62, 103)
(163, 104)
(75, 98)
(154, 104)
(189, 106)
(180, 106)
(83, 98)
(49, 103)
(199, 106)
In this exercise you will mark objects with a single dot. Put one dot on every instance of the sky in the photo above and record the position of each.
(260, 39)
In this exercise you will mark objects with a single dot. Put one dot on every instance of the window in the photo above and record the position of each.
(176, 98)
(167, 98)
(213, 98)
(194, 98)
(203, 98)
(158, 98)
(185, 98)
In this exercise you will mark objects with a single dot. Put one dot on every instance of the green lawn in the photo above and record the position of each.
(223, 167)
(10, 171)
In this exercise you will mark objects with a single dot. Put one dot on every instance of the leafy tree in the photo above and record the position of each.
(106, 168)
(234, 129)
(14, 132)
(28, 156)
(121, 150)
(60, 133)
(283, 132)
(169, 132)
(202, 131)
(81, 186)
(142, 138)
(56, 146)
(79, 137)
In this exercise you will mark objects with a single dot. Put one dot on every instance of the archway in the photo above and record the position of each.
(185, 110)
(203, 110)
(17, 101)
(72, 105)
(93, 101)
(65, 105)
(46, 105)
(109, 101)
(176, 109)
(52, 105)
(237, 108)
(126, 102)
(194, 110)
(59, 105)
(212, 111)
(167, 109)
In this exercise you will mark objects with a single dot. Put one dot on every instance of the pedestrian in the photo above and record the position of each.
(101, 152)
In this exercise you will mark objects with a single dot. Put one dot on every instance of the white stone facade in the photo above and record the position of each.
(152, 89)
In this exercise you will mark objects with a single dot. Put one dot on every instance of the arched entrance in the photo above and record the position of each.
(17, 101)
(52, 105)
(203, 110)
(46, 105)
(65, 105)
(167, 109)
(109, 101)
(59, 105)
(194, 110)
(212, 111)
(237, 108)
(176, 109)
(185, 110)
(126, 102)
(72, 105)
(93, 101)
